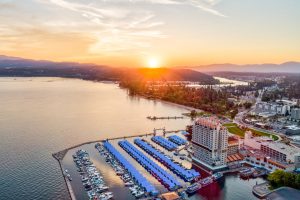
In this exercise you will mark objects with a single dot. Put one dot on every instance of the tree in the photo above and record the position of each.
(289, 180)
(233, 113)
(297, 181)
(276, 178)
(193, 113)
(281, 178)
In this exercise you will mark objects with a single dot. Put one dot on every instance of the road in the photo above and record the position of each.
(240, 116)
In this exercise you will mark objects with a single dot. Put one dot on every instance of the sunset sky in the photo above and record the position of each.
(152, 32)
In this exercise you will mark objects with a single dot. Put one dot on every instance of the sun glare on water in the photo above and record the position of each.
(153, 63)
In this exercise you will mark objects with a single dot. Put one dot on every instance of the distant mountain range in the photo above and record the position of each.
(14, 66)
(287, 67)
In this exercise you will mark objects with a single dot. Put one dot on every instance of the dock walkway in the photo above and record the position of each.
(261, 190)
(168, 117)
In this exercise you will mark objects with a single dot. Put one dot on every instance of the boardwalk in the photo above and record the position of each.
(261, 190)
(172, 117)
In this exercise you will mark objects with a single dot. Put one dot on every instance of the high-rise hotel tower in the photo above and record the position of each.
(210, 142)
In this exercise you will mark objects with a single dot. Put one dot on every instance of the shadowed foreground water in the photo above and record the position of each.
(40, 116)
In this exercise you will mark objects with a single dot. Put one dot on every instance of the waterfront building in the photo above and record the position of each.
(210, 143)
(280, 151)
(257, 158)
(264, 152)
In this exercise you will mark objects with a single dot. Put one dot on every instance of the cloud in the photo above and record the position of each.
(204, 5)
(117, 28)
(108, 26)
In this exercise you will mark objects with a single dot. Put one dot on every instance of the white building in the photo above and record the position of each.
(295, 114)
(292, 130)
(259, 159)
(297, 161)
(274, 108)
(210, 143)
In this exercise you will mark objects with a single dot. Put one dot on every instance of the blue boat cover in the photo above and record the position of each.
(139, 178)
(185, 174)
(154, 169)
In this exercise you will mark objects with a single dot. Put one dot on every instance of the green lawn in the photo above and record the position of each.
(261, 133)
(234, 129)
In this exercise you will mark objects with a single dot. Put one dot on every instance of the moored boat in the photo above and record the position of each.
(206, 181)
(193, 188)
(217, 176)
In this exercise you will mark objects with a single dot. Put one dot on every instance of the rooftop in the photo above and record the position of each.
(293, 127)
(281, 147)
(210, 122)
(170, 196)
(284, 193)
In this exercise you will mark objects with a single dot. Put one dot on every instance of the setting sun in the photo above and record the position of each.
(153, 63)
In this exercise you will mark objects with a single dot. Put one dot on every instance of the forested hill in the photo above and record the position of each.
(13, 66)
(165, 74)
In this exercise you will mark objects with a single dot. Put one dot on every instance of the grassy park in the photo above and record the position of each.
(236, 130)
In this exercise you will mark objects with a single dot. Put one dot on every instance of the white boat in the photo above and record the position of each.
(130, 183)
(217, 176)
(135, 187)
(106, 196)
(206, 181)
(139, 194)
(193, 188)
(102, 189)
(119, 172)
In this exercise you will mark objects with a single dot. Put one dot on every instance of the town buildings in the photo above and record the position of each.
(264, 152)
(295, 114)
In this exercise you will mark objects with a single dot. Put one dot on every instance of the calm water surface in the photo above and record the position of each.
(39, 116)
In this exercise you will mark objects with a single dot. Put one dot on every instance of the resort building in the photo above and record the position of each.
(264, 152)
(280, 151)
(259, 159)
(210, 143)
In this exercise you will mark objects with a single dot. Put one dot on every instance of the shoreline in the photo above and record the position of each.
(188, 108)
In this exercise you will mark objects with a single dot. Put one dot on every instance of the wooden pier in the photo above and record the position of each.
(168, 117)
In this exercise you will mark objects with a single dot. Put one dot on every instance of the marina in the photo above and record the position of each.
(162, 171)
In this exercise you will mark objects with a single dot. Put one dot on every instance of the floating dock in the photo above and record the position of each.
(168, 173)
(156, 118)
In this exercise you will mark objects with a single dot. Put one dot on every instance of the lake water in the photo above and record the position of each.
(228, 82)
(40, 116)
